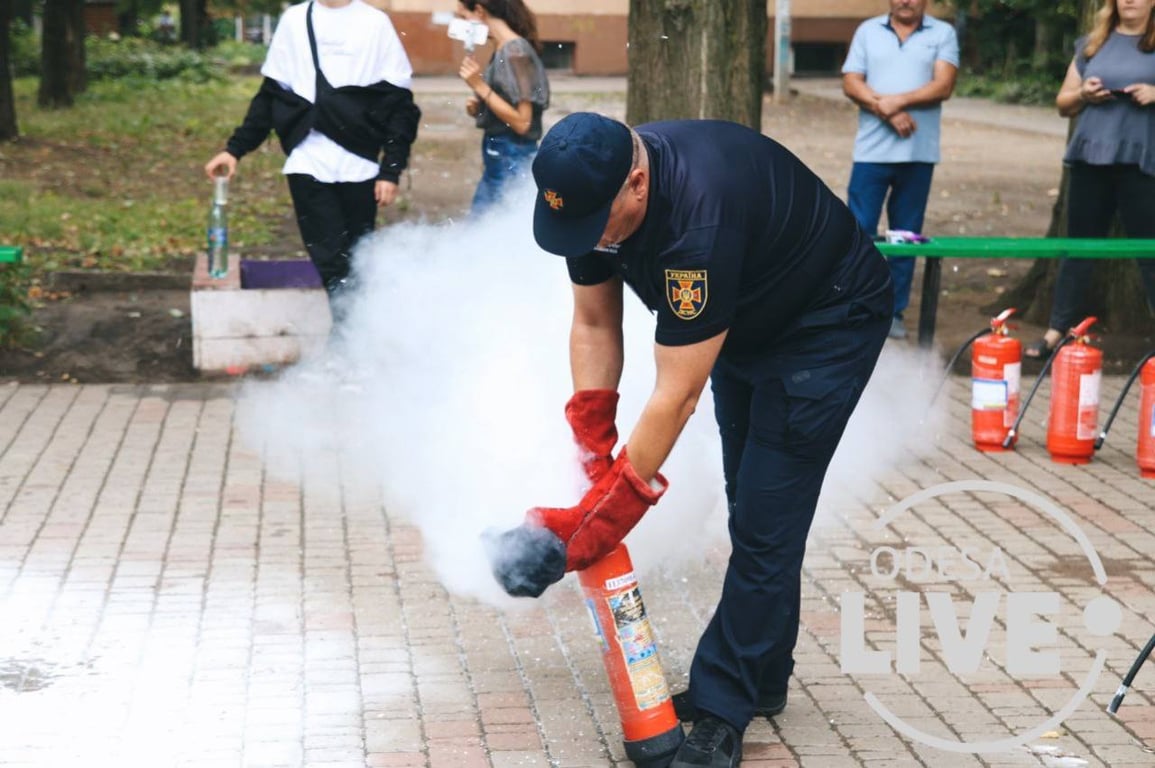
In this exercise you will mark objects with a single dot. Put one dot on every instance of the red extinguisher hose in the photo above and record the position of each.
(1122, 395)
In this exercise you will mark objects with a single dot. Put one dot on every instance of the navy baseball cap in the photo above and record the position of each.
(581, 164)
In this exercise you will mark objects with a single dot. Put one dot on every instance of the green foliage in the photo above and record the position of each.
(140, 59)
(1025, 87)
(15, 308)
(117, 182)
(137, 58)
(25, 52)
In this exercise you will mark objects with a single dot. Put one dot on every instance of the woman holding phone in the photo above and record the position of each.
(1110, 86)
(509, 95)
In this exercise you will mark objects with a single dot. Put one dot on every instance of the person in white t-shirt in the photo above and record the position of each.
(337, 92)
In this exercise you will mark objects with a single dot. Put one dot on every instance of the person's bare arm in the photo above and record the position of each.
(682, 373)
(938, 90)
(855, 87)
(1076, 93)
(595, 343)
(519, 118)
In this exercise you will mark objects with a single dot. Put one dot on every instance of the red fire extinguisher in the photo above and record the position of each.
(996, 370)
(1075, 384)
(1145, 452)
(1076, 334)
(630, 655)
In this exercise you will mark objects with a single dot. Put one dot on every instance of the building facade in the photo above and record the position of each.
(591, 40)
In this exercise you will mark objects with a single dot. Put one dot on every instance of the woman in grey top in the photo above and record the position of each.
(1110, 85)
(508, 97)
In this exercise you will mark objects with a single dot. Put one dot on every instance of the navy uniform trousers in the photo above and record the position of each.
(781, 416)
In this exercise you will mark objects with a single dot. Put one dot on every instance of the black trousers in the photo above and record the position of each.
(780, 416)
(1096, 192)
(332, 217)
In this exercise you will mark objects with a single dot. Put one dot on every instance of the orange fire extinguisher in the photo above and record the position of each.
(630, 655)
(1145, 452)
(1064, 443)
(1075, 384)
(996, 370)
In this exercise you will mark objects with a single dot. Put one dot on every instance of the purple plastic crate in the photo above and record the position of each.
(298, 273)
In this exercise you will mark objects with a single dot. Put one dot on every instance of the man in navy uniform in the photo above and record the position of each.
(762, 282)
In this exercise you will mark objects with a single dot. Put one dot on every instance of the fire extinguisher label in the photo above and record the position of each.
(988, 394)
(639, 649)
(1013, 373)
(597, 624)
(1088, 425)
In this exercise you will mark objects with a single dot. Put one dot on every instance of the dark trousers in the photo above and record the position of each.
(1095, 194)
(780, 417)
(332, 217)
(505, 159)
(909, 187)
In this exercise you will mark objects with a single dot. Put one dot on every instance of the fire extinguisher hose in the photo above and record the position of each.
(953, 360)
(1010, 438)
(1117, 699)
(1122, 395)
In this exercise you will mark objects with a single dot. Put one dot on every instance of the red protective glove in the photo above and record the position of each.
(591, 414)
(604, 516)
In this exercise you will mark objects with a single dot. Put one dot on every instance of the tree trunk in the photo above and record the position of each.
(77, 61)
(696, 59)
(55, 81)
(194, 22)
(8, 127)
(1116, 294)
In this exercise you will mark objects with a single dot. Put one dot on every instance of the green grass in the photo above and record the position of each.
(117, 181)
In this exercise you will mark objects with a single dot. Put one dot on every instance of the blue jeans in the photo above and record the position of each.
(1095, 194)
(506, 158)
(909, 188)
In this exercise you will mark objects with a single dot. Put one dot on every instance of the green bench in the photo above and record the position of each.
(939, 248)
(10, 254)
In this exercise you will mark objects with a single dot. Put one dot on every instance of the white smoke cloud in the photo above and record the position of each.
(445, 394)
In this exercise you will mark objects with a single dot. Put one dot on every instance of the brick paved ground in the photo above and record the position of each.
(163, 602)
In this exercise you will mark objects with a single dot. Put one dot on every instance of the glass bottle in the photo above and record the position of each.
(218, 229)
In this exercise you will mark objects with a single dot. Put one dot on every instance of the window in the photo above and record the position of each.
(818, 58)
(557, 54)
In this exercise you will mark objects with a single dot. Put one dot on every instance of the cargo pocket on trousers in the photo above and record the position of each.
(819, 403)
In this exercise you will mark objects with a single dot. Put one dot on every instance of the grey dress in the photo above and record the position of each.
(516, 74)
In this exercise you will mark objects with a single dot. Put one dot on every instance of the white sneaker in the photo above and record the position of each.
(897, 329)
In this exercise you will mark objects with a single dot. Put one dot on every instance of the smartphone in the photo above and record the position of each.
(1119, 93)
(472, 33)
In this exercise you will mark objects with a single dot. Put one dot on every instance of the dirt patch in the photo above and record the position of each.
(992, 181)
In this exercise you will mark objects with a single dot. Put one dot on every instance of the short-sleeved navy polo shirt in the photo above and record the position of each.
(739, 234)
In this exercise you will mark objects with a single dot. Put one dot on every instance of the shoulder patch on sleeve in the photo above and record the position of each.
(686, 291)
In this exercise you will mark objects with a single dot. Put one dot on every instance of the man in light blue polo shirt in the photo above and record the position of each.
(899, 70)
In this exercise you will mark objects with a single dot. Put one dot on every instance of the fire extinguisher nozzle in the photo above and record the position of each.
(1099, 440)
(1010, 438)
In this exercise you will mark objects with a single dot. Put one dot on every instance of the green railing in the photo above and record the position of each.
(938, 248)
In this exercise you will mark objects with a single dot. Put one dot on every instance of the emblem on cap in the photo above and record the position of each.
(686, 292)
(555, 200)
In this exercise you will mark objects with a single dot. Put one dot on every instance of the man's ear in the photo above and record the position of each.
(639, 181)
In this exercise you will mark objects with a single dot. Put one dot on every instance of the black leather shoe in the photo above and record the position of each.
(713, 743)
(769, 704)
